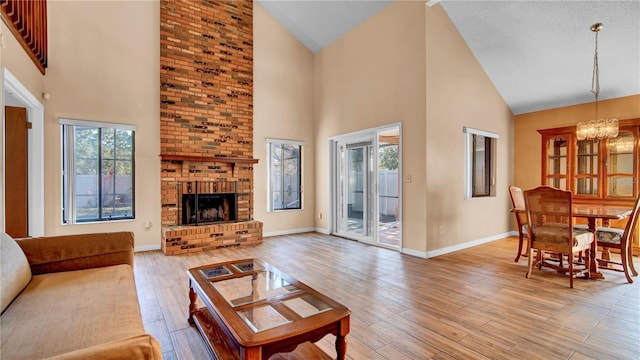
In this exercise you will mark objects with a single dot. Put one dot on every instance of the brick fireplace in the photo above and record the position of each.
(206, 125)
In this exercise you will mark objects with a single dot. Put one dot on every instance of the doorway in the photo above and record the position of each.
(366, 186)
(17, 95)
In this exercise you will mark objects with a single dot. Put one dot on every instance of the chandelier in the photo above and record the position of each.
(596, 128)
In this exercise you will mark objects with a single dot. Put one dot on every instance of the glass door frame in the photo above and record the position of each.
(371, 135)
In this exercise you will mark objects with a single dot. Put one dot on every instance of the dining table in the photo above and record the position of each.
(593, 212)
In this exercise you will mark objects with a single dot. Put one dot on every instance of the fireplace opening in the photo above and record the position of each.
(207, 202)
(208, 208)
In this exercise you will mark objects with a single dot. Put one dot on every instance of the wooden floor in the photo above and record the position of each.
(471, 304)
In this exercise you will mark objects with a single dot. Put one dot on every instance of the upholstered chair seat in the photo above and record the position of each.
(558, 234)
(609, 235)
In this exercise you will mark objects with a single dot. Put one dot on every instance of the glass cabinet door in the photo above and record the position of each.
(620, 164)
(586, 171)
(557, 150)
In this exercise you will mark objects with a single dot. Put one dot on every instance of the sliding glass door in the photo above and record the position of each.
(367, 187)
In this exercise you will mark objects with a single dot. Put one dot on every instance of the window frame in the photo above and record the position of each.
(68, 132)
(270, 185)
(490, 161)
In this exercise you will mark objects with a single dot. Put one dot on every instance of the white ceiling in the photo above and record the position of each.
(539, 54)
(318, 23)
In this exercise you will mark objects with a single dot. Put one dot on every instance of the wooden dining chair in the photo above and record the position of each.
(549, 216)
(519, 210)
(621, 240)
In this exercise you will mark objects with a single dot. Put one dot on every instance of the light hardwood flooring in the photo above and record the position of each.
(471, 304)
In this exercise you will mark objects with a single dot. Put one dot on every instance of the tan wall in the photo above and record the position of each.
(104, 66)
(20, 64)
(374, 76)
(399, 66)
(283, 109)
(14, 58)
(528, 142)
(459, 94)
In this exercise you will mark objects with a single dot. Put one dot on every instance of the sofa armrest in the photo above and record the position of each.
(75, 252)
(144, 347)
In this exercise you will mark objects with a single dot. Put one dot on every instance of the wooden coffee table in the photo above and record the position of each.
(253, 311)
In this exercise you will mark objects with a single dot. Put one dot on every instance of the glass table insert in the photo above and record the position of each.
(254, 283)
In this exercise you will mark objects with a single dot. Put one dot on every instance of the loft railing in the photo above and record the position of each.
(27, 20)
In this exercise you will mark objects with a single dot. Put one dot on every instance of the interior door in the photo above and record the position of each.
(16, 188)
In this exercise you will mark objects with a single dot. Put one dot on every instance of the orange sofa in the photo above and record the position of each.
(71, 297)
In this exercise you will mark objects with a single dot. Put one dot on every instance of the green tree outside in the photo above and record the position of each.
(388, 157)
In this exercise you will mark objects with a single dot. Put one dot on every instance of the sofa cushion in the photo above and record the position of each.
(15, 271)
(66, 311)
(76, 252)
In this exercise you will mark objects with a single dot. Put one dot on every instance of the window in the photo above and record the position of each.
(285, 174)
(98, 171)
(480, 163)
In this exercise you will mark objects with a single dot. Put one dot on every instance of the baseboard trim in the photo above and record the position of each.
(287, 232)
(323, 231)
(468, 244)
(420, 254)
(146, 248)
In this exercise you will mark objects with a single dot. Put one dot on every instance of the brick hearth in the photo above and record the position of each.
(185, 239)
(206, 115)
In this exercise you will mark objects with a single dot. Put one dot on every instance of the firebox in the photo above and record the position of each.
(207, 202)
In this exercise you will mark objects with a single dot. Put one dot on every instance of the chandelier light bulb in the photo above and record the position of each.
(581, 131)
(612, 128)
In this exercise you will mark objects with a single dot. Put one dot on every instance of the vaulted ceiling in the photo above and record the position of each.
(539, 54)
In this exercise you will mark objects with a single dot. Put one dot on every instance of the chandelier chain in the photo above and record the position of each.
(597, 128)
(595, 79)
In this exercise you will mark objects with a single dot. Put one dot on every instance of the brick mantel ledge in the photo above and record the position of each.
(222, 159)
(219, 159)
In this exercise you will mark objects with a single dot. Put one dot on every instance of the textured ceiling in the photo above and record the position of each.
(318, 23)
(539, 54)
